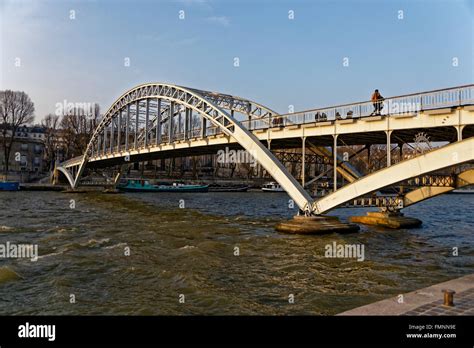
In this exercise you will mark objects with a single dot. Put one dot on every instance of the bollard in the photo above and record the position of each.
(448, 297)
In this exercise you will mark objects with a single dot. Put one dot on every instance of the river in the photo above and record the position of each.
(174, 250)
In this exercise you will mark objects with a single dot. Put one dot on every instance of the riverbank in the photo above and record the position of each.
(42, 187)
(426, 301)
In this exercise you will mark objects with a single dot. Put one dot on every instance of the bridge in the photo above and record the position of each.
(161, 120)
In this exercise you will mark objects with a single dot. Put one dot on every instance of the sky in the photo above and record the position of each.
(300, 53)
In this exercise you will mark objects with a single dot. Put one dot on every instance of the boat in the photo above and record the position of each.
(228, 188)
(182, 188)
(140, 185)
(272, 187)
(9, 185)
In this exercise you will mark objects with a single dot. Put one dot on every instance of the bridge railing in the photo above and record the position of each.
(410, 103)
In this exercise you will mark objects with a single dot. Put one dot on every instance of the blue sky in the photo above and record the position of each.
(282, 62)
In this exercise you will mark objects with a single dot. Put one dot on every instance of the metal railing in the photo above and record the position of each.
(404, 104)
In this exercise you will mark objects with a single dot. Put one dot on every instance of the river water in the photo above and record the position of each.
(190, 251)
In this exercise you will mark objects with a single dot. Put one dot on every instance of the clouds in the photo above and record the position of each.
(192, 2)
(201, 3)
(207, 6)
(151, 37)
(221, 20)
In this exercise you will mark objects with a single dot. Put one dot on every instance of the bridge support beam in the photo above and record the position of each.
(203, 127)
(186, 124)
(459, 130)
(389, 148)
(170, 123)
(127, 128)
(137, 120)
(158, 122)
(119, 132)
(112, 130)
(190, 124)
(105, 141)
(303, 164)
(388, 219)
(147, 118)
(178, 126)
(334, 158)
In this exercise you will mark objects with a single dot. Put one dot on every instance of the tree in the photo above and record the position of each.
(77, 128)
(51, 140)
(16, 109)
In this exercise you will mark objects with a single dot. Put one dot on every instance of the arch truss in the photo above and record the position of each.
(152, 114)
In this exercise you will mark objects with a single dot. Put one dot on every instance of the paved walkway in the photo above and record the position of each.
(427, 301)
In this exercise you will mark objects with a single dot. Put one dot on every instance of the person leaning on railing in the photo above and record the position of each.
(320, 117)
(278, 122)
(377, 101)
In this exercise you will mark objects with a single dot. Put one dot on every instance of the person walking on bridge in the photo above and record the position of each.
(377, 101)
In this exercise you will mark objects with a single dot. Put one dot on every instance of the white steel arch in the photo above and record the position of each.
(447, 156)
(462, 179)
(67, 174)
(192, 99)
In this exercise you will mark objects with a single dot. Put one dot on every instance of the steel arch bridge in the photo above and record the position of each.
(119, 135)
(158, 117)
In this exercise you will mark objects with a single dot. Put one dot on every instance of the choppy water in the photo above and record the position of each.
(190, 251)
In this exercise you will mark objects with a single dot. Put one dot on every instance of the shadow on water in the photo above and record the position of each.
(191, 251)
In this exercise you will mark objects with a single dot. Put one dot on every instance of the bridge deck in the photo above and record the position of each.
(439, 128)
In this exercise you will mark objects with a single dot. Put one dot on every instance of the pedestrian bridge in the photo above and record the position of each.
(161, 120)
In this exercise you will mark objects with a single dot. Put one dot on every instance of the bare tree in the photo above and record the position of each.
(77, 128)
(51, 140)
(16, 109)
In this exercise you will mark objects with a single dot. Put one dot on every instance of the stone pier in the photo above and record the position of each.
(320, 224)
(387, 219)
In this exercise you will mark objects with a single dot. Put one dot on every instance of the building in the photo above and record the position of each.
(27, 157)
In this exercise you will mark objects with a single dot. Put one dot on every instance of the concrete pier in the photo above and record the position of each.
(387, 219)
(321, 224)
